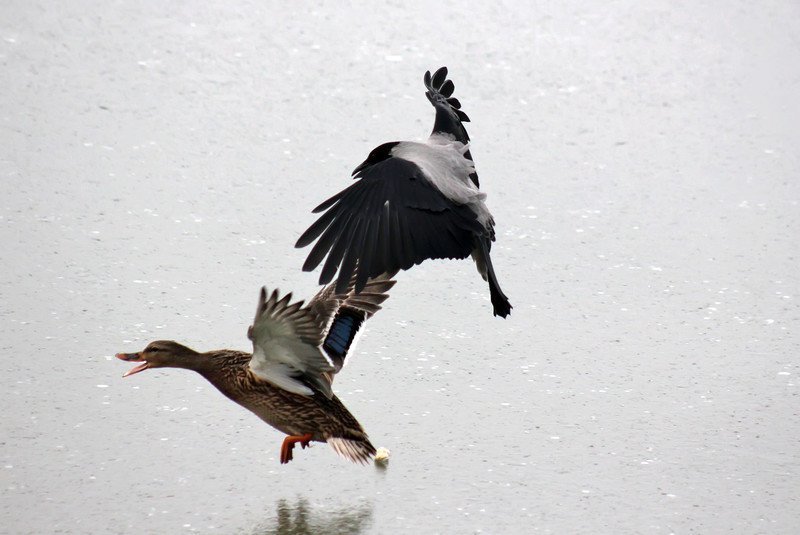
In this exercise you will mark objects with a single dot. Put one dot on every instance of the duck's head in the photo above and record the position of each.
(160, 354)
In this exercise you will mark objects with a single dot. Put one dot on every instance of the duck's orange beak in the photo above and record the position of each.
(133, 357)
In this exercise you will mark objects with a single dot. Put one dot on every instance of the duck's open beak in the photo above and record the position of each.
(133, 357)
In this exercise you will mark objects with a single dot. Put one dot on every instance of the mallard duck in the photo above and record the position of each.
(286, 380)
(413, 201)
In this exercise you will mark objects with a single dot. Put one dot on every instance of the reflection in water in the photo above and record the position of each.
(300, 519)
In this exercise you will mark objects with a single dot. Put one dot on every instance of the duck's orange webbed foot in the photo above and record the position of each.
(288, 445)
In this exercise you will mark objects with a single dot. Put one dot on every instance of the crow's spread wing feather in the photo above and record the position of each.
(390, 219)
(449, 117)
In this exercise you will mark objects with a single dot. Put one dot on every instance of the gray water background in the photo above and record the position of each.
(158, 161)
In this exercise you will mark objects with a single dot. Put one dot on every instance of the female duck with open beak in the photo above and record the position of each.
(286, 380)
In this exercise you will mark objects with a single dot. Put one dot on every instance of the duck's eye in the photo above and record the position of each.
(153, 349)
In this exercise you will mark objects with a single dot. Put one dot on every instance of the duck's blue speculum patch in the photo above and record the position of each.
(341, 334)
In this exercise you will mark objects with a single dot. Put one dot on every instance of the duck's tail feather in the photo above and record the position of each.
(357, 450)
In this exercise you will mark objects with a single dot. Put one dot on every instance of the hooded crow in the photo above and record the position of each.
(413, 201)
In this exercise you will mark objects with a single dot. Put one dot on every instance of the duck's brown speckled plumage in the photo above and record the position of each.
(293, 414)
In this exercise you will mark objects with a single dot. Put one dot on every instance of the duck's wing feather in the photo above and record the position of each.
(344, 314)
(391, 219)
(327, 301)
(286, 346)
(450, 118)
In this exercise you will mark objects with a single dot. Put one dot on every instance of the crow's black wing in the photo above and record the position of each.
(449, 117)
(391, 219)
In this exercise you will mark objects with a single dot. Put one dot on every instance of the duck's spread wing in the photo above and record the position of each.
(390, 219)
(344, 314)
(286, 346)
(327, 301)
